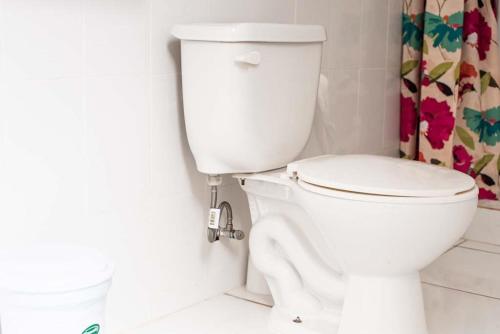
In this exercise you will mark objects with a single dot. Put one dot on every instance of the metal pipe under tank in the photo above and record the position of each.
(215, 231)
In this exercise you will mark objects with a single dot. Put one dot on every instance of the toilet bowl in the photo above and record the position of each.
(339, 239)
(343, 253)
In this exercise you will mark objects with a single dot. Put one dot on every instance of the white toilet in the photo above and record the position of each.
(339, 239)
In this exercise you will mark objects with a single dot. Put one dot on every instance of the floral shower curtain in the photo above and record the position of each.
(450, 95)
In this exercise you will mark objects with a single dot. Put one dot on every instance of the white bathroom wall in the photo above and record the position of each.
(93, 147)
(362, 62)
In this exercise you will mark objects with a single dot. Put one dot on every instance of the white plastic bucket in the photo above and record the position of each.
(53, 289)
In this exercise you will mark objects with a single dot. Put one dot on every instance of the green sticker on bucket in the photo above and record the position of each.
(94, 329)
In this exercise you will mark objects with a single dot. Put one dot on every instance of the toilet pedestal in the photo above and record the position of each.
(388, 305)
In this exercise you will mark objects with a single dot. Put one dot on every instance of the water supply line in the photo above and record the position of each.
(215, 230)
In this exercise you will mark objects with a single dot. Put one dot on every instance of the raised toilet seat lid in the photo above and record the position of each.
(379, 175)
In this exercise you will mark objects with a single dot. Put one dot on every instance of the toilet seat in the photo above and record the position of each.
(378, 176)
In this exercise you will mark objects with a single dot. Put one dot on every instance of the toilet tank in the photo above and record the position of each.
(249, 93)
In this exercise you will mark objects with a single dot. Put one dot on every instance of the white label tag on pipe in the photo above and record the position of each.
(213, 218)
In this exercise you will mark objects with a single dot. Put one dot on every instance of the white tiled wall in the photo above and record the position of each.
(362, 62)
(92, 142)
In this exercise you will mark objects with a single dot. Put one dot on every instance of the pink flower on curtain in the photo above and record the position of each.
(477, 33)
(408, 122)
(436, 121)
(487, 194)
(461, 159)
(426, 81)
(423, 65)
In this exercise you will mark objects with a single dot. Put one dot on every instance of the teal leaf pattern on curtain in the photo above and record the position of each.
(486, 125)
(412, 31)
(445, 31)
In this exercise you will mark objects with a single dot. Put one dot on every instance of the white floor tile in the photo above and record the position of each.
(454, 312)
(466, 269)
(219, 315)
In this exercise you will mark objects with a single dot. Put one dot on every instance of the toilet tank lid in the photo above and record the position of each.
(250, 32)
(379, 175)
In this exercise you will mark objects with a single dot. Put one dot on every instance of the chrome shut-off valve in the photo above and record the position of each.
(215, 230)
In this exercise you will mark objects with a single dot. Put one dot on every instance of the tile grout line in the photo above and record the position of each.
(359, 69)
(149, 88)
(295, 11)
(2, 38)
(387, 34)
(85, 114)
(483, 242)
(385, 111)
(458, 290)
(155, 319)
(358, 116)
(478, 250)
(247, 300)
(387, 27)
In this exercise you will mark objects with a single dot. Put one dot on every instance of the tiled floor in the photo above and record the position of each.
(219, 315)
(461, 290)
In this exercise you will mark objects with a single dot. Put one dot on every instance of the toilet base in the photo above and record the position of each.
(388, 305)
(282, 322)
